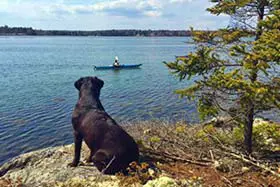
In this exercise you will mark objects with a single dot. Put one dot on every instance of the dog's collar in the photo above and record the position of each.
(88, 107)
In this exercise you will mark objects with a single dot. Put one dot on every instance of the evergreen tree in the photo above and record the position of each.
(238, 67)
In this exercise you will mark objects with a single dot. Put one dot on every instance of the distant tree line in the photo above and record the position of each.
(29, 31)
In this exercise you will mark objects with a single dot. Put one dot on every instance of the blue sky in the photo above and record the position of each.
(109, 14)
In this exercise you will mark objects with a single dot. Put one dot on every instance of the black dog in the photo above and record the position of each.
(112, 149)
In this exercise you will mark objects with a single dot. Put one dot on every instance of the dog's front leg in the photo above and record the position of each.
(78, 145)
(89, 159)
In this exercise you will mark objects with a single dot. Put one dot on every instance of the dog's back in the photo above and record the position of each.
(101, 132)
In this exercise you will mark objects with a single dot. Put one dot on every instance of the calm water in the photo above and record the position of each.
(37, 92)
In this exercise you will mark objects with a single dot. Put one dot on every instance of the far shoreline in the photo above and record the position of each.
(29, 31)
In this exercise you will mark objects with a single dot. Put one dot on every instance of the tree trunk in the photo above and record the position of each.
(248, 129)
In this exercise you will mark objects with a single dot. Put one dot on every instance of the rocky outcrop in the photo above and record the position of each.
(48, 167)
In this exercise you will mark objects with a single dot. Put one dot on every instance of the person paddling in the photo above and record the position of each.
(116, 63)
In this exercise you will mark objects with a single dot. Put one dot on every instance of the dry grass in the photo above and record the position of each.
(7, 182)
(184, 151)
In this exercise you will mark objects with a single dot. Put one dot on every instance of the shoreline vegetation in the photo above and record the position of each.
(29, 31)
(173, 155)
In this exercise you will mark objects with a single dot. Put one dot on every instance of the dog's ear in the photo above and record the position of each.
(79, 83)
(98, 82)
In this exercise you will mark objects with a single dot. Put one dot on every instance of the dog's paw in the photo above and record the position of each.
(89, 160)
(72, 164)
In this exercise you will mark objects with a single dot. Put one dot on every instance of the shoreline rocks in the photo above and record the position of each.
(47, 166)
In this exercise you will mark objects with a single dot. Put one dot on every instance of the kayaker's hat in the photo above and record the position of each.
(116, 58)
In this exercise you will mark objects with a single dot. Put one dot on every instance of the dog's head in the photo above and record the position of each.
(89, 83)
